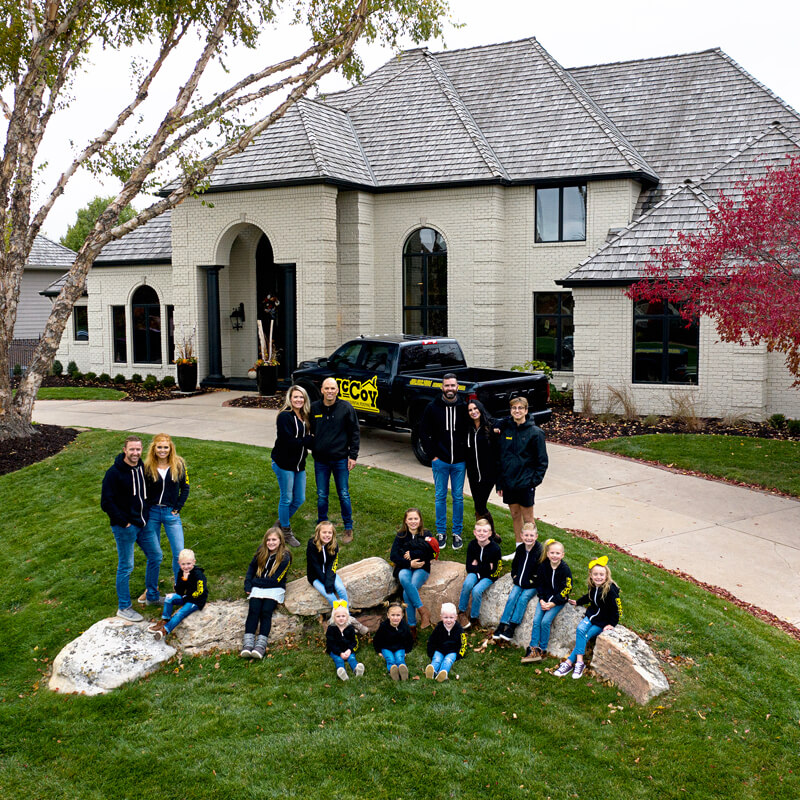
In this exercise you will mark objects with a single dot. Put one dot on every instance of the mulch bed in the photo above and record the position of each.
(47, 441)
(136, 391)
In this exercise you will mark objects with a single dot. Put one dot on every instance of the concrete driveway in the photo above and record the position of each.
(743, 540)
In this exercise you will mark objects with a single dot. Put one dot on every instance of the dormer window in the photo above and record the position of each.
(561, 214)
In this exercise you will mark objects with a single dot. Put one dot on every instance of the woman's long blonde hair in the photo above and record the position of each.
(177, 466)
(305, 411)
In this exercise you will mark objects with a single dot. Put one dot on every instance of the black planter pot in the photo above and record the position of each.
(267, 379)
(187, 377)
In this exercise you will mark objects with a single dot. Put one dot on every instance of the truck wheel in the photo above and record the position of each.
(313, 393)
(418, 448)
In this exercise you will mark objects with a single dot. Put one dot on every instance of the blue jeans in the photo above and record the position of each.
(292, 487)
(185, 608)
(395, 658)
(542, 620)
(411, 580)
(444, 473)
(584, 634)
(339, 661)
(126, 538)
(161, 515)
(339, 592)
(477, 586)
(341, 477)
(442, 663)
(516, 604)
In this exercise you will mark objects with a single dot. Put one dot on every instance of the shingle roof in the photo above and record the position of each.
(152, 243)
(47, 253)
(54, 289)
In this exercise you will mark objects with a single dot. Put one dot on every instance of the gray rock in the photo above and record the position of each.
(109, 654)
(443, 586)
(622, 657)
(220, 626)
(368, 582)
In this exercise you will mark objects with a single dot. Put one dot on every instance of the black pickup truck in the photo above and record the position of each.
(389, 380)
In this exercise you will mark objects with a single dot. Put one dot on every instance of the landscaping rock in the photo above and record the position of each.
(443, 586)
(220, 626)
(368, 582)
(626, 660)
(109, 654)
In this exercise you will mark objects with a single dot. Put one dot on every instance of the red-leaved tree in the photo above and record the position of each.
(742, 269)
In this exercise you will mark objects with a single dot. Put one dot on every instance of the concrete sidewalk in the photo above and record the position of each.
(745, 541)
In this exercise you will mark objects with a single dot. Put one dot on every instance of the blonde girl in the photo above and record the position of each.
(322, 559)
(605, 608)
(392, 641)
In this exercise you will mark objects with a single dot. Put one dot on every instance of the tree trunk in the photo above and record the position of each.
(13, 425)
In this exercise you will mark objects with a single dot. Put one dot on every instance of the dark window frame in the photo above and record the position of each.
(81, 324)
(666, 317)
(425, 308)
(152, 343)
(560, 239)
(560, 316)
(123, 339)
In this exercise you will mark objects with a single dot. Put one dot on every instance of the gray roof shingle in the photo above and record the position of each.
(47, 253)
(152, 243)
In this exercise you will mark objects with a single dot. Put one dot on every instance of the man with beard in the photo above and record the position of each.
(443, 433)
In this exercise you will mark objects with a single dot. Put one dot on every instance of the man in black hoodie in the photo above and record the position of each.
(334, 425)
(124, 499)
(443, 432)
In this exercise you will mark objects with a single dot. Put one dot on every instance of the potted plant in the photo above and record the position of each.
(267, 365)
(186, 364)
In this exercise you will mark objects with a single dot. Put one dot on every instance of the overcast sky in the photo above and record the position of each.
(761, 37)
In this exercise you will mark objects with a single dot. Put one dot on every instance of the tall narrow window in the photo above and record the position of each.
(80, 323)
(146, 316)
(171, 333)
(664, 348)
(425, 284)
(120, 334)
(553, 328)
(561, 214)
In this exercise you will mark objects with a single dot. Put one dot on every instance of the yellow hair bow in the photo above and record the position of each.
(599, 562)
(548, 542)
(339, 604)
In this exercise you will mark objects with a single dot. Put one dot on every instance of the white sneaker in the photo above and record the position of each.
(342, 673)
(359, 670)
(509, 557)
(563, 669)
(578, 671)
(441, 676)
(129, 614)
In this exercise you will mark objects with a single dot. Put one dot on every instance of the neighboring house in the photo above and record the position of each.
(487, 194)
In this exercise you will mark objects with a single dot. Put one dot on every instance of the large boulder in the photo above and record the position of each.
(110, 653)
(623, 658)
(220, 626)
(368, 582)
(443, 586)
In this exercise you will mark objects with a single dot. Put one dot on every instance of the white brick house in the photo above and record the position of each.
(517, 168)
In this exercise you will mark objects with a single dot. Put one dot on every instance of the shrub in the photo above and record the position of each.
(534, 366)
(120, 378)
(72, 367)
(586, 392)
(77, 375)
(777, 420)
(622, 397)
(90, 376)
(17, 370)
(793, 426)
(136, 378)
(168, 381)
(104, 377)
(684, 410)
(57, 368)
(150, 382)
(651, 420)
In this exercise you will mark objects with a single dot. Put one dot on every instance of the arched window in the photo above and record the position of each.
(425, 284)
(146, 316)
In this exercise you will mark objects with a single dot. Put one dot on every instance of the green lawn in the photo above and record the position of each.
(221, 727)
(79, 393)
(771, 463)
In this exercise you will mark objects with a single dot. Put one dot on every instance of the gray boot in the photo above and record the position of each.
(247, 647)
(260, 648)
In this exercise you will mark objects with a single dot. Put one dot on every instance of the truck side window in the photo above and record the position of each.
(346, 356)
(378, 357)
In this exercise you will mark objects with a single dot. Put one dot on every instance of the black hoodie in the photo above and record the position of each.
(444, 642)
(124, 494)
(602, 611)
(443, 430)
(265, 580)
(522, 455)
(337, 641)
(387, 637)
(417, 548)
(194, 588)
(291, 446)
(525, 565)
(321, 565)
(335, 429)
(554, 585)
(488, 558)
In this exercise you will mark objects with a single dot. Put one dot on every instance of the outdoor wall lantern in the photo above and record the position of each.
(237, 317)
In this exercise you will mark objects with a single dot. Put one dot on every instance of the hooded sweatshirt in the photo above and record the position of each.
(387, 637)
(321, 565)
(602, 611)
(194, 588)
(291, 446)
(336, 641)
(167, 492)
(488, 557)
(554, 585)
(265, 580)
(336, 431)
(124, 494)
(522, 454)
(417, 548)
(525, 565)
(444, 641)
(443, 430)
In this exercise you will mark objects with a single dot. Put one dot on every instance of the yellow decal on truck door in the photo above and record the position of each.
(362, 395)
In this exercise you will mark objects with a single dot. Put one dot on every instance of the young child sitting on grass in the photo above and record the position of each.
(190, 595)
(446, 644)
(392, 641)
(341, 642)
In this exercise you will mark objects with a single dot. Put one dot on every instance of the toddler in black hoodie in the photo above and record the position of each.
(446, 644)
(392, 641)
(190, 595)
(341, 642)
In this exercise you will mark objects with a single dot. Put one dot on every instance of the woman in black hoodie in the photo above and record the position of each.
(481, 461)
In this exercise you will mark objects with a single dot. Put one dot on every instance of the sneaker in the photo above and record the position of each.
(441, 676)
(159, 602)
(474, 622)
(403, 670)
(247, 645)
(442, 539)
(563, 669)
(394, 672)
(159, 635)
(359, 670)
(577, 672)
(346, 537)
(245, 652)
(258, 652)
(129, 614)
(509, 557)
(342, 674)
(142, 598)
(157, 625)
(530, 656)
(458, 543)
(499, 634)
(429, 671)
(463, 621)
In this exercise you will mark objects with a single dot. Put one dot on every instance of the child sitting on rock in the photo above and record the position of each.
(190, 595)
(484, 566)
(392, 641)
(605, 608)
(524, 569)
(341, 642)
(446, 644)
